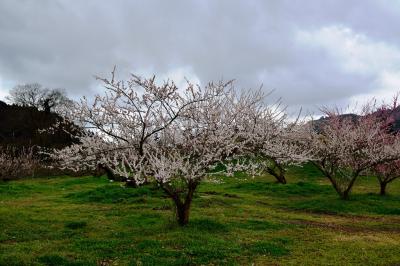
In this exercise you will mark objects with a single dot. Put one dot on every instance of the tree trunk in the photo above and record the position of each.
(182, 214)
(278, 173)
(334, 184)
(131, 183)
(102, 169)
(345, 195)
(280, 178)
(383, 188)
(182, 207)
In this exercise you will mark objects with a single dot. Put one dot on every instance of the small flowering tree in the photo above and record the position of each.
(285, 146)
(386, 173)
(344, 146)
(16, 164)
(273, 141)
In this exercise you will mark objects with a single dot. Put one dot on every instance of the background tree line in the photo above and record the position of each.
(22, 132)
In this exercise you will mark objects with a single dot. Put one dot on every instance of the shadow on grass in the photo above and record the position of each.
(258, 225)
(14, 189)
(56, 260)
(115, 194)
(302, 189)
(206, 225)
(75, 225)
(143, 221)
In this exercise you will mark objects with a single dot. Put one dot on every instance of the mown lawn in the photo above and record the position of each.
(242, 221)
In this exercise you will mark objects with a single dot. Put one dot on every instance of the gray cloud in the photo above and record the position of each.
(64, 43)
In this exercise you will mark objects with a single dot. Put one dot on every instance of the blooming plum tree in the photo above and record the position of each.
(125, 119)
(344, 146)
(387, 172)
(274, 142)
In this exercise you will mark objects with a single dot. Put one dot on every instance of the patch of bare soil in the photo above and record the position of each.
(353, 217)
(395, 228)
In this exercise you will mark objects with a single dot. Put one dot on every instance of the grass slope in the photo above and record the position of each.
(90, 221)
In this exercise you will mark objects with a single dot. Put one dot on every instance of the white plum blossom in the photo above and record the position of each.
(120, 124)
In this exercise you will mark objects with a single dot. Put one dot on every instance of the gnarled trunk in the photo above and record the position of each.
(383, 187)
(102, 169)
(384, 180)
(343, 190)
(182, 206)
(182, 213)
(345, 195)
(278, 172)
(280, 177)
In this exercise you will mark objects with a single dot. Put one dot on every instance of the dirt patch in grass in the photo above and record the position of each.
(344, 228)
(352, 217)
(374, 238)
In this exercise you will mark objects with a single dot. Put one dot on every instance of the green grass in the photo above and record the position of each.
(242, 221)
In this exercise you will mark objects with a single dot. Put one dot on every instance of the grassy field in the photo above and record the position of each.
(243, 221)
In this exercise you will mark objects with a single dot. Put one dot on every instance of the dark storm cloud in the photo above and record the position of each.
(310, 52)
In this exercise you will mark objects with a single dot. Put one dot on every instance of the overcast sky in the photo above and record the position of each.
(311, 53)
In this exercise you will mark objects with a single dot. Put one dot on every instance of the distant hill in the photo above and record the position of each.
(393, 118)
(19, 127)
(319, 123)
